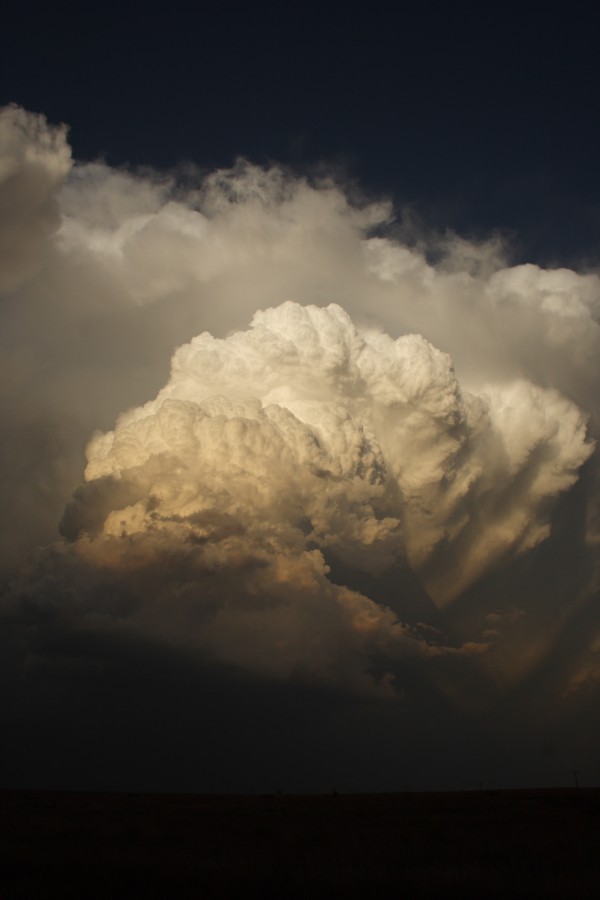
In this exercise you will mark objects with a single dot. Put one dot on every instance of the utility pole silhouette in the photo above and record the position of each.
(575, 774)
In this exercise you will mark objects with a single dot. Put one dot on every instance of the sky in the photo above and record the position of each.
(300, 367)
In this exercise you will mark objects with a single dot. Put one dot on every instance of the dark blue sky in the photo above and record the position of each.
(480, 118)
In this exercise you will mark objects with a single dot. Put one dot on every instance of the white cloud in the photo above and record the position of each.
(304, 419)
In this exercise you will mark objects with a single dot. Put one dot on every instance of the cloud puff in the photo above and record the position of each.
(303, 429)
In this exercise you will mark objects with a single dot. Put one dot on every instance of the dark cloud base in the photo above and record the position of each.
(86, 712)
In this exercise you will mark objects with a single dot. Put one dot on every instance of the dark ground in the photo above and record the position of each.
(472, 844)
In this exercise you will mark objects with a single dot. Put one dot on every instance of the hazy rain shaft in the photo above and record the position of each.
(363, 464)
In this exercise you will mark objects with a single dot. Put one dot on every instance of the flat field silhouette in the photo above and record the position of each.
(527, 843)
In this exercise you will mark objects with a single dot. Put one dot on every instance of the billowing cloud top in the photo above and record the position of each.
(303, 431)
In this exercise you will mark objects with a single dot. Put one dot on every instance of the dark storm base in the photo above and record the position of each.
(471, 844)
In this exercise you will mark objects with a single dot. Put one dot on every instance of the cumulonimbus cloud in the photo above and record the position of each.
(351, 405)
(215, 507)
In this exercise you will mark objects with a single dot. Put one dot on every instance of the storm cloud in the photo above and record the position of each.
(250, 423)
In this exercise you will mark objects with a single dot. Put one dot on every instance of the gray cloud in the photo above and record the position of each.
(34, 161)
